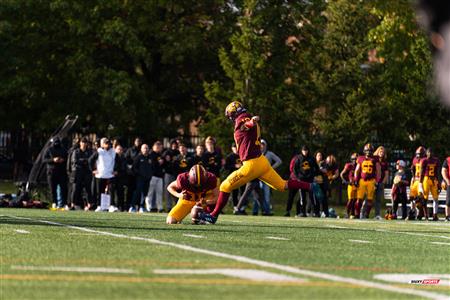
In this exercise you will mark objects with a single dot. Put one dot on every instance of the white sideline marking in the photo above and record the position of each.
(277, 238)
(249, 274)
(361, 241)
(338, 227)
(21, 231)
(440, 243)
(261, 263)
(73, 269)
(406, 278)
(194, 236)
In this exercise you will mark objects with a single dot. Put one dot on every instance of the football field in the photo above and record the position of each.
(79, 255)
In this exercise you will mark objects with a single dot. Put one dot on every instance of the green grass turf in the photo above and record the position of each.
(7, 187)
(314, 244)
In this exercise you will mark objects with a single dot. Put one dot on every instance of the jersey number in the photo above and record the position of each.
(367, 167)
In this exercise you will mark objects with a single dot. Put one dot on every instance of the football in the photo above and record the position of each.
(196, 211)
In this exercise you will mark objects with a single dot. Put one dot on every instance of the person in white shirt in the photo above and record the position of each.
(103, 165)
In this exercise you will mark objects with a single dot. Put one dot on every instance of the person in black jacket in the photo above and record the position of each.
(130, 155)
(303, 167)
(121, 178)
(232, 163)
(170, 172)
(211, 157)
(55, 157)
(183, 161)
(80, 174)
(142, 169)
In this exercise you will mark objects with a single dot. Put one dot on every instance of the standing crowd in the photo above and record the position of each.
(136, 179)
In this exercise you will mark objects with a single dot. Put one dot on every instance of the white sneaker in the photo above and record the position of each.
(66, 207)
(112, 208)
(98, 209)
(142, 210)
(378, 218)
(132, 210)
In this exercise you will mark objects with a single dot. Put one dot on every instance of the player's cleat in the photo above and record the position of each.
(208, 219)
(53, 208)
(317, 191)
(352, 217)
(447, 219)
(435, 217)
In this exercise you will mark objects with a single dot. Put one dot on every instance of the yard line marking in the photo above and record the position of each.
(74, 269)
(277, 238)
(361, 241)
(21, 231)
(194, 236)
(249, 274)
(338, 227)
(407, 278)
(440, 243)
(261, 263)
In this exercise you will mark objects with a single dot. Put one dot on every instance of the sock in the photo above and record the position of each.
(358, 205)
(349, 203)
(368, 208)
(435, 207)
(221, 202)
(297, 184)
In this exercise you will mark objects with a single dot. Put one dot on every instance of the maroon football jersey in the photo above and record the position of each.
(368, 167)
(350, 168)
(416, 167)
(247, 141)
(430, 167)
(184, 185)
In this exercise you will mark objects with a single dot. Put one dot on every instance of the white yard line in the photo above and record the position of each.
(22, 231)
(261, 263)
(73, 269)
(440, 243)
(249, 274)
(338, 227)
(194, 236)
(361, 241)
(277, 238)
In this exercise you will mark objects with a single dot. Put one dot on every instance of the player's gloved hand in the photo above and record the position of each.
(420, 188)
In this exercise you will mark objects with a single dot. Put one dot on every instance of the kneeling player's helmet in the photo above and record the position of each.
(234, 109)
(197, 176)
(420, 152)
(368, 149)
(354, 157)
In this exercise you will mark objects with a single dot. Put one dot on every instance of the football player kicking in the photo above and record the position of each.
(194, 188)
(367, 174)
(254, 164)
(347, 176)
(415, 196)
(429, 167)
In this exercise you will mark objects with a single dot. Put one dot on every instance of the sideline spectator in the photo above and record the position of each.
(379, 193)
(183, 161)
(446, 185)
(81, 176)
(170, 172)
(130, 156)
(398, 191)
(198, 158)
(232, 163)
(70, 186)
(55, 157)
(303, 167)
(142, 169)
(332, 174)
(120, 181)
(211, 157)
(103, 165)
(251, 188)
(275, 162)
(155, 189)
(313, 207)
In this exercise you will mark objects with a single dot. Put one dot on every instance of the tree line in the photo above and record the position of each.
(330, 74)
